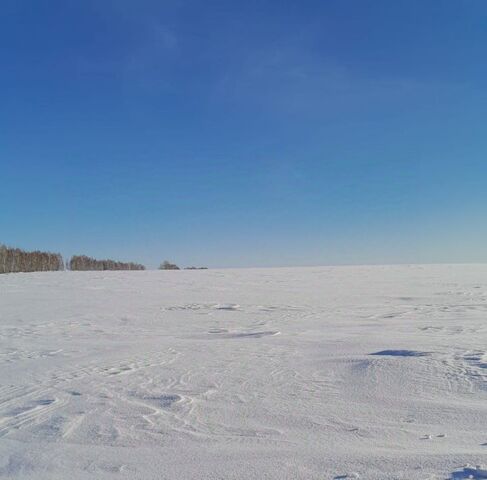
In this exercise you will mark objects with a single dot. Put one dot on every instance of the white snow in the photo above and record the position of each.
(306, 373)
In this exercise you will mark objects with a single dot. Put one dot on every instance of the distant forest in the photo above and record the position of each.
(82, 262)
(16, 260)
(13, 260)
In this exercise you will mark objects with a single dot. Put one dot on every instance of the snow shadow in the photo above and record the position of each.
(478, 472)
(401, 353)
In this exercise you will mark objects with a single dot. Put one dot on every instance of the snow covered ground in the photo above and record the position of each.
(305, 373)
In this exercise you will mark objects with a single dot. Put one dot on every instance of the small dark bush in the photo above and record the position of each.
(168, 266)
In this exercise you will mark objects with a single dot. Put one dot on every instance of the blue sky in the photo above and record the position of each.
(256, 133)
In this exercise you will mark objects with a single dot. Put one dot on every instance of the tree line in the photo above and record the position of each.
(16, 260)
(82, 262)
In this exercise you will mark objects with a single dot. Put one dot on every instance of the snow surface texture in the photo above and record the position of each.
(309, 373)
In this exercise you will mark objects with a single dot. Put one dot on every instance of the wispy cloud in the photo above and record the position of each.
(294, 80)
(142, 53)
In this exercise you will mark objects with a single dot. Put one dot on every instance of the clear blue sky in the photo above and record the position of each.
(249, 133)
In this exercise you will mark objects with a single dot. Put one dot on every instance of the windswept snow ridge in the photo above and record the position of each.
(305, 373)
